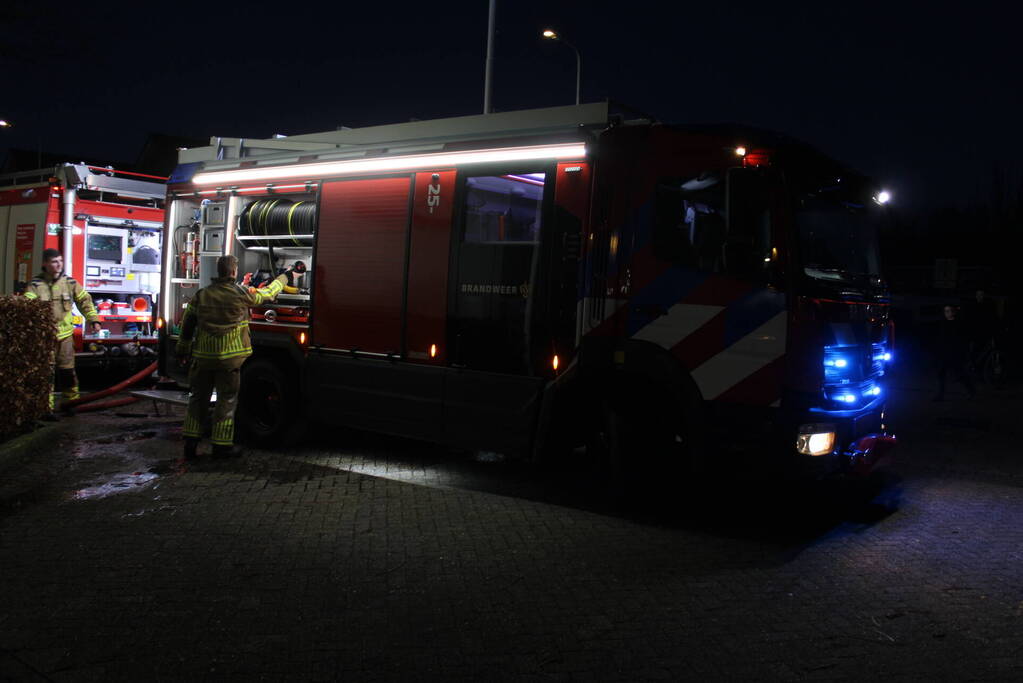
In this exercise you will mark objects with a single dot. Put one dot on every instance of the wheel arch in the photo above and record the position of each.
(633, 371)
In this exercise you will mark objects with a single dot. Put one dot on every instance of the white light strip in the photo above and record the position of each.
(257, 189)
(328, 168)
(274, 237)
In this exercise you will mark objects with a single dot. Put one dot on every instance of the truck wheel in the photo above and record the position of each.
(638, 449)
(606, 445)
(267, 404)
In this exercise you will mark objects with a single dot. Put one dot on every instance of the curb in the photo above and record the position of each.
(17, 449)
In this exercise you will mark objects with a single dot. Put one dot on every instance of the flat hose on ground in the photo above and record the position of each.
(120, 386)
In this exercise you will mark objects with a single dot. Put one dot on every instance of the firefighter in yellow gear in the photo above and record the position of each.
(64, 293)
(217, 318)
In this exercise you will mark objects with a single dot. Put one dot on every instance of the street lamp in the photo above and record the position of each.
(5, 124)
(551, 34)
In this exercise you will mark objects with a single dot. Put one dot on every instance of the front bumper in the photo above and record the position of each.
(863, 443)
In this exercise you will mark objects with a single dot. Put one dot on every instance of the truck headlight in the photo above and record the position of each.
(816, 439)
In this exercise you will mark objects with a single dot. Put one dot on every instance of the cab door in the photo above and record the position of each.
(496, 307)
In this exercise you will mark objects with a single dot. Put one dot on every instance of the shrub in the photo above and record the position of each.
(26, 341)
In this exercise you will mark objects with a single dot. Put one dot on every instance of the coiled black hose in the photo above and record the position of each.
(279, 217)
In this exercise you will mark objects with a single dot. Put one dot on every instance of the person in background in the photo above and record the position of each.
(217, 319)
(64, 293)
(952, 352)
(983, 322)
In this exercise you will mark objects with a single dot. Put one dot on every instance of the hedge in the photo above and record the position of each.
(26, 341)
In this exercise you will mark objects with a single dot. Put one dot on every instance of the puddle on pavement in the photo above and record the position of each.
(111, 466)
(118, 483)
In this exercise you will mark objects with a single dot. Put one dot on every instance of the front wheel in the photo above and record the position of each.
(268, 404)
(639, 448)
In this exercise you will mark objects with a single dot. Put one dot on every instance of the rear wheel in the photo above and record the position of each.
(267, 404)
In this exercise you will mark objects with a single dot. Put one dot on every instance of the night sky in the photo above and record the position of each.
(924, 97)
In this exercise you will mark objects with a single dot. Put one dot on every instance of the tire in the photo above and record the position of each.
(639, 449)
(268, 411)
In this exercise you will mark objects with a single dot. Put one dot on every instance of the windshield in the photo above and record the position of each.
(838, 241)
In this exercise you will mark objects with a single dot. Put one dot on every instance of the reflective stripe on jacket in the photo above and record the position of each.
(218, 319)
(64, 292)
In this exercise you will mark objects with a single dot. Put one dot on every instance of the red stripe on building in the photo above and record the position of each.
(25, 195)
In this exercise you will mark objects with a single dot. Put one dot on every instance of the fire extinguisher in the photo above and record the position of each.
(190, 256)
(195, 254)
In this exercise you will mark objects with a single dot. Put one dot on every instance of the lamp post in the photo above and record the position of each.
(491, 18)
(551, 34)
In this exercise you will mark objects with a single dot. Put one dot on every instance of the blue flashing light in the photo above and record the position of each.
(846, 398)
(873, 391)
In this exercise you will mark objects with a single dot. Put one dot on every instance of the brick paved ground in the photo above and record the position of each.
(384, 560)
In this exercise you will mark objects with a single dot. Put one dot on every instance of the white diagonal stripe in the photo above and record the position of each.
(743, 358)
(680, 322)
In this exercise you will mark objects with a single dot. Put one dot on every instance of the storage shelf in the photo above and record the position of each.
(120, 338)
(127, 317)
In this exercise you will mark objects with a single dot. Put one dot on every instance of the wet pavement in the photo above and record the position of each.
(362, 557)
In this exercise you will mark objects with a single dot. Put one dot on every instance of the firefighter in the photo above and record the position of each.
(217, 318)
(64, 292)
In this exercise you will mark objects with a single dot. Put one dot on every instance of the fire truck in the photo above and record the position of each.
(542, 282)
(108, 226)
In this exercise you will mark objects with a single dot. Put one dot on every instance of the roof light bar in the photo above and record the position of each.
(328, 168)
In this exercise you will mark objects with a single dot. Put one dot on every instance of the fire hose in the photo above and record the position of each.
(120, 386)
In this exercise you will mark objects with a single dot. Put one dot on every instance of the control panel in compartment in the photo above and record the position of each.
(122, 272)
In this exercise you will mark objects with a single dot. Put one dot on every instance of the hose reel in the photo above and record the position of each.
(279, 217)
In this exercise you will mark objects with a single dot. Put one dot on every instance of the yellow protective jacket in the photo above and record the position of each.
(217, 318)
(64, 292)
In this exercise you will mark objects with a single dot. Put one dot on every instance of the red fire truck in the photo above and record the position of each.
(108, 225)
(538, 281)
